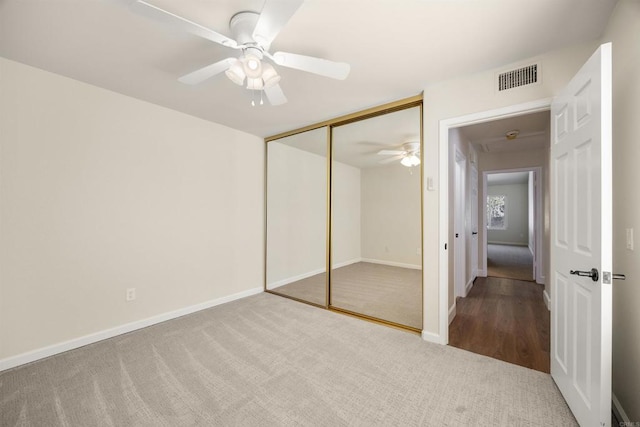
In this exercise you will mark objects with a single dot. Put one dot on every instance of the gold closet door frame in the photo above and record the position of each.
(403, 104)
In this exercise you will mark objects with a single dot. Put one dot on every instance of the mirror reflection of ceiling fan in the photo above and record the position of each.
(409, 155)
(253, 34)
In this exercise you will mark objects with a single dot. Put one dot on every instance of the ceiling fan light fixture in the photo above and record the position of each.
(252, 66)
(269, 75)
(255, 84)
(235, 73)
(411, 160)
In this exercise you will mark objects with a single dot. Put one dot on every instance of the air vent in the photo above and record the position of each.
(519, 77)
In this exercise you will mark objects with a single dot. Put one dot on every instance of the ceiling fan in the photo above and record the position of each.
(253, 34)
(409, 155)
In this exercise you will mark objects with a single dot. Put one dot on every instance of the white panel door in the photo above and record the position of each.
(581, 241)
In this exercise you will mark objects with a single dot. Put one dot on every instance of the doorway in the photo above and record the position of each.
(513, 218)
(580, 183)
(502, 314)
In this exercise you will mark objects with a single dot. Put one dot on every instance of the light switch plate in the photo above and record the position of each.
(630, 239)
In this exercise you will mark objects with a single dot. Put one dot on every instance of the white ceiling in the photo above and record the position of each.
(395, 48)
(490, 137)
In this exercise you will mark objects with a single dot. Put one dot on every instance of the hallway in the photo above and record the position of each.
(504, 319)
(509, 261)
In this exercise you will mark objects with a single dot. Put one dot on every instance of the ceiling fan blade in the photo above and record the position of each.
(390, 152)
(390, 159)
(145, 9)
(207, 72)
(373, 144)
(275, 95)
(323, 67)
(274, 16)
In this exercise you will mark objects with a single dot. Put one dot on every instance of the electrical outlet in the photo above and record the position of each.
(131, 294)
(630, 239)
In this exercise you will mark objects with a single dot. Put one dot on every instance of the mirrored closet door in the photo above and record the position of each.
(344, 214)
(296, 210)
(376, 226)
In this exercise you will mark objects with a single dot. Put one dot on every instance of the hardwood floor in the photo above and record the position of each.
(509, 261)
(505, 319)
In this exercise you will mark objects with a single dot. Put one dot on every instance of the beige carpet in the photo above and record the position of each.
(381, 291)
(270, 361)
(510, 262)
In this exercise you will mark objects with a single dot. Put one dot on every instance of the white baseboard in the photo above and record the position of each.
(41, 353)
(452, 313)
(482, 273)
(540, 280)
(292, 279)
(621, 415)
(345, 263)
(468, 286)
(508, 243)
(434, 338)
(392, 263)
(547, 299)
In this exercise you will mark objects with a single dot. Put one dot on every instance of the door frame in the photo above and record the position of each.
(538, 264)
(474, 219)
(459, 224)
(443, 177)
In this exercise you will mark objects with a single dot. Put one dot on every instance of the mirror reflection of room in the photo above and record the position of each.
(296, 254)
(376, 218)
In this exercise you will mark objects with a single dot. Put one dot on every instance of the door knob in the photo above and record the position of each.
(593, 274)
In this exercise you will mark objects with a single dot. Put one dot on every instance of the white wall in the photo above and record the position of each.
(101, 192)
(517, 214)
(624, 31)
(346, 207)
(464, 96)
(391, 231)
(296, 213)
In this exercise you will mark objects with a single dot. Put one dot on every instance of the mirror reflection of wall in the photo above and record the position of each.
(376, 218)
(297, 216)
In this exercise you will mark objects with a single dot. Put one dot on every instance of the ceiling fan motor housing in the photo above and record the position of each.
(242, 25)
(411, 147)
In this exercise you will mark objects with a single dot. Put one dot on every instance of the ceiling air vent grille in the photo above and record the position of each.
(519, 77)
